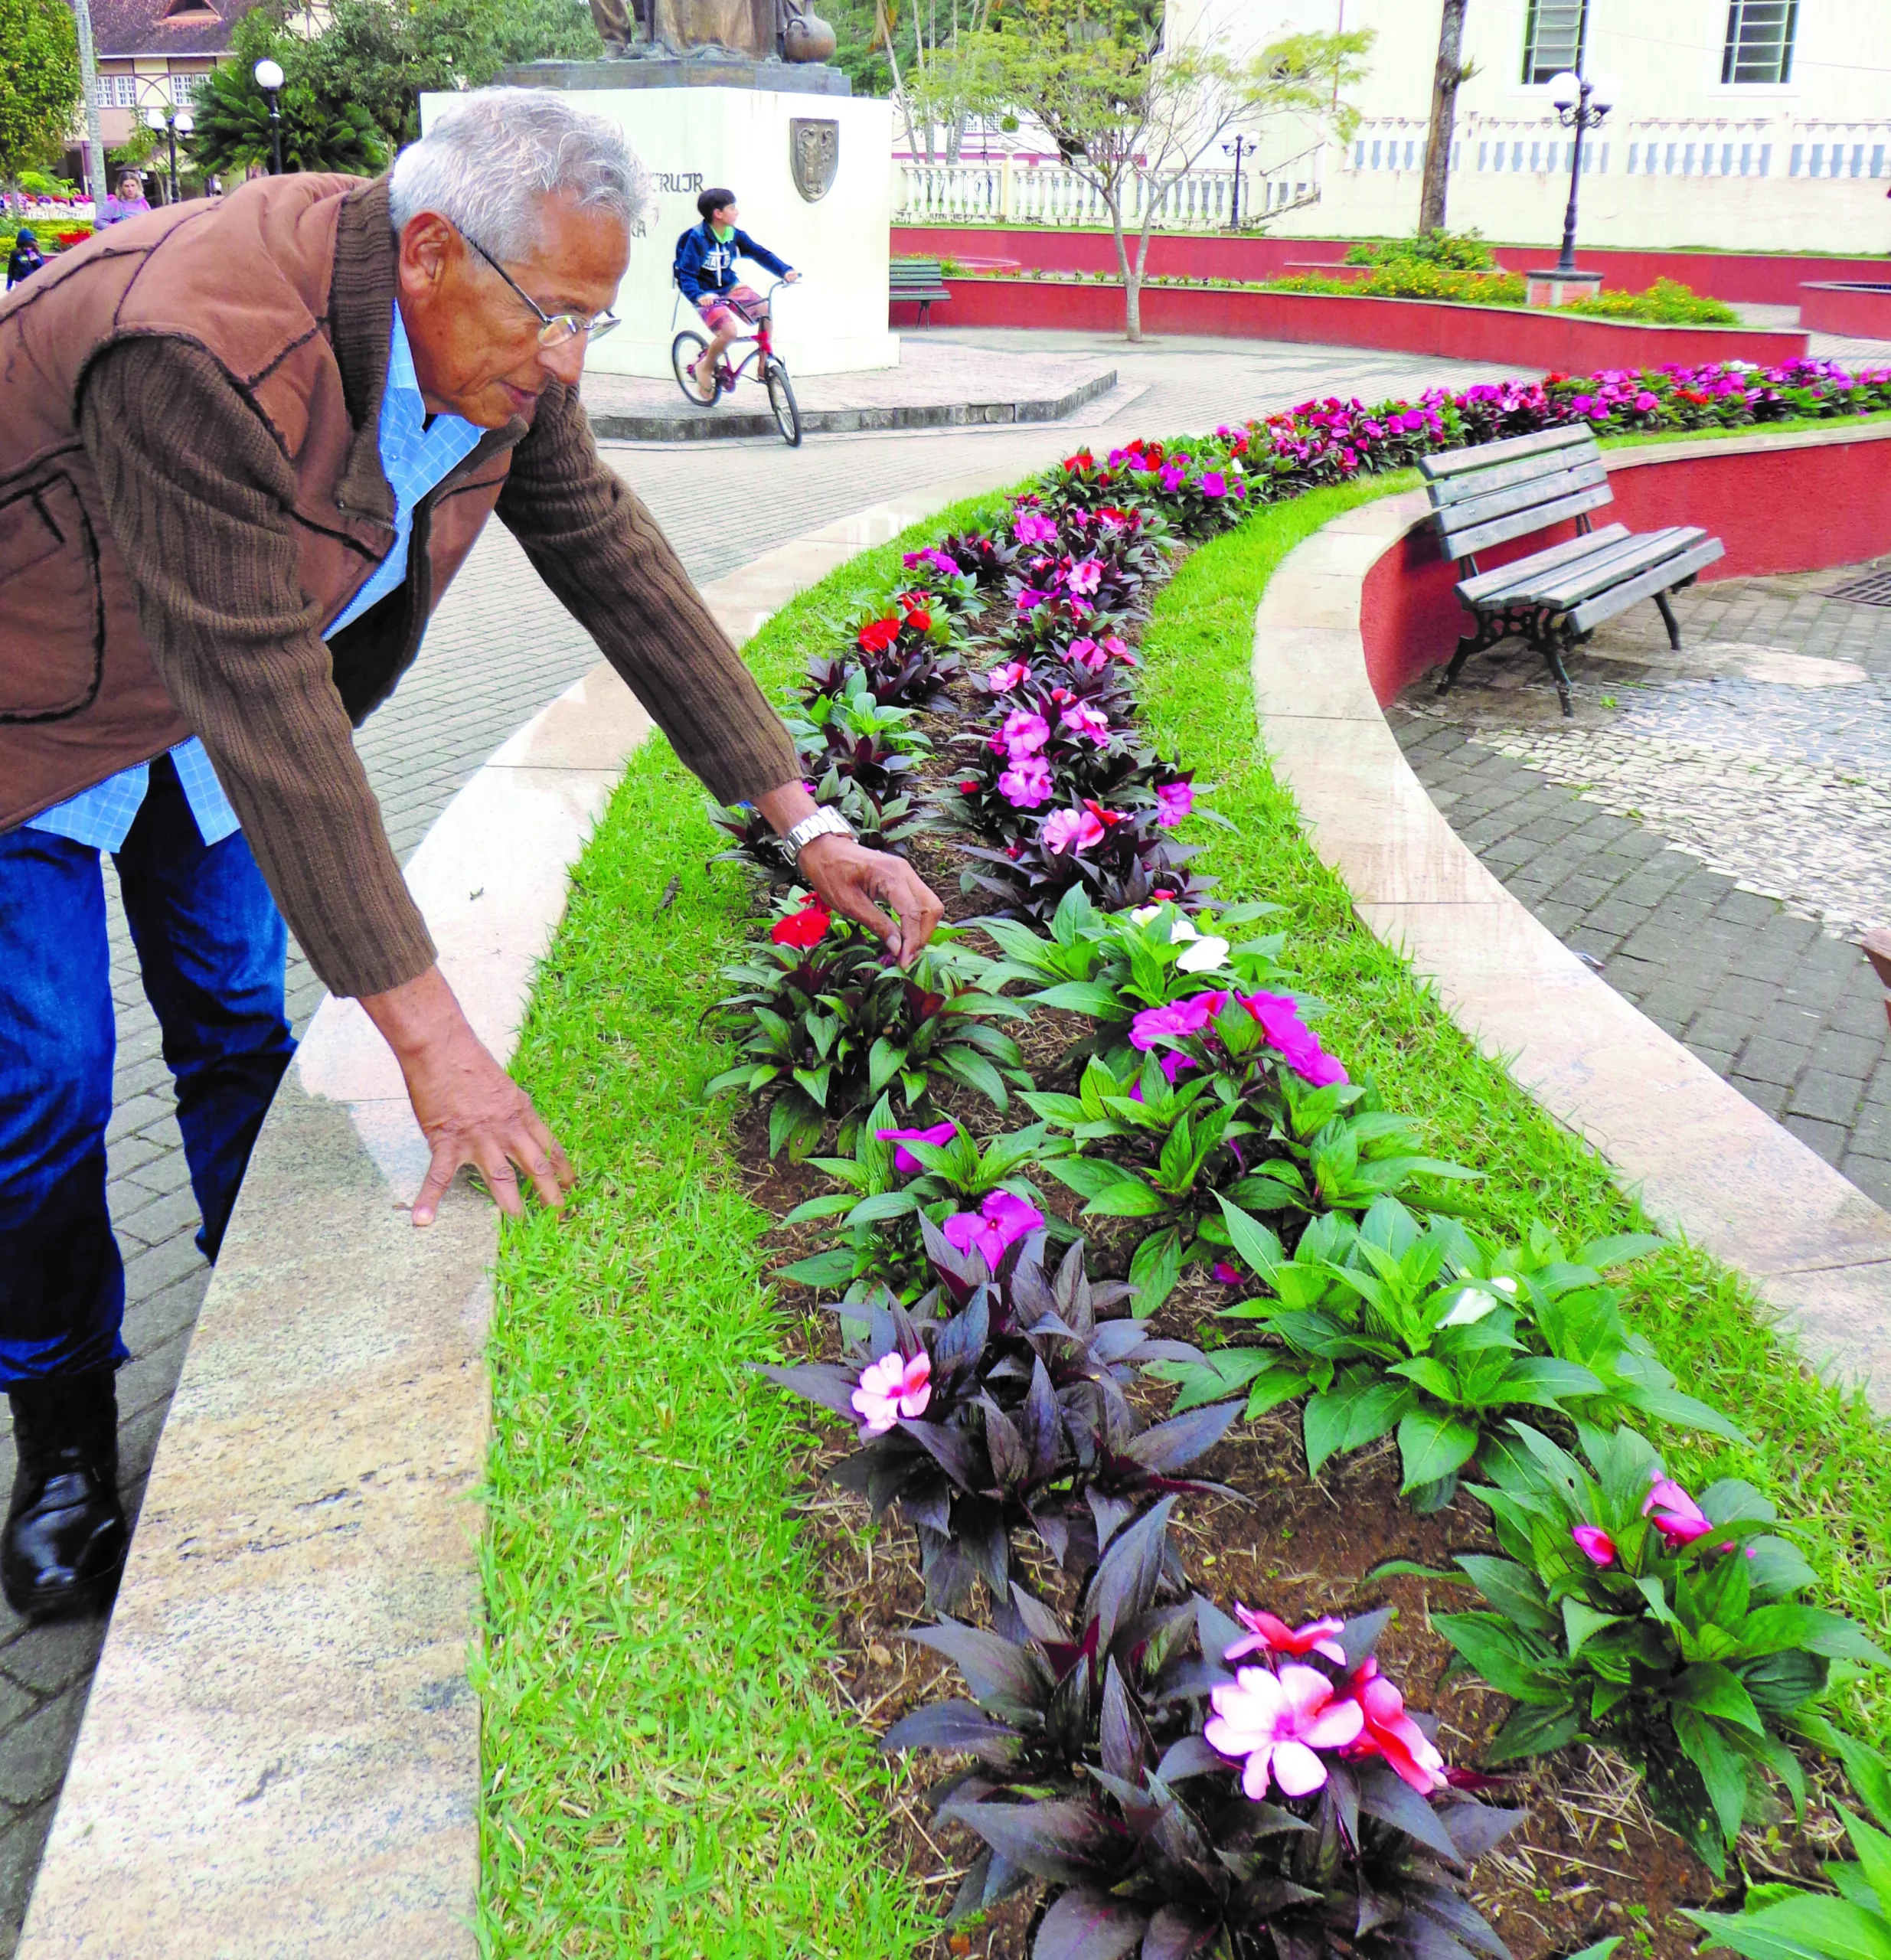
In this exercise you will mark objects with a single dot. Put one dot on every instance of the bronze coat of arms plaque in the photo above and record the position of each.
(814, 155)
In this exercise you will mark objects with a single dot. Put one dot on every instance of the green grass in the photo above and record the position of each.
(664, 1771)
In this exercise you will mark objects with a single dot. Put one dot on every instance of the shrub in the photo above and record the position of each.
(1005, 1412)
(1628, 1612)
(1667, 302)
(1465, 250)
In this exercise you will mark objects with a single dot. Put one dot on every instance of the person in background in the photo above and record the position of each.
(130, 202)
(706, 270)
(26, 258)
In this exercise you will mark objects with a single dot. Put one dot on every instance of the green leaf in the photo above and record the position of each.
(819, 1207)
(1810, 1927)
(1259, 1248)
(884, 1061)
(832, 1268)
(1580, 1620)
(1431, 1446)
(1721, 1769)
(1100, 1003)
(1773, 1629)
(1510, 1660)
(1154, 1270)
(884, 1205)
(1874, 1857)
(1216, 1378)
(1515, 1591)
(1113, 1192)
(967, 1066)
(1535, 1731)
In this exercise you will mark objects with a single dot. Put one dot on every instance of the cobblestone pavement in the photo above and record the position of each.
(499, 648)
(1711, 831)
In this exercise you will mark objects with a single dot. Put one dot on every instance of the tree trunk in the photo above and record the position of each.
(1444, 81)
(1131, 275)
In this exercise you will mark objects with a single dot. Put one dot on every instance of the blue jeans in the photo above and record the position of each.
(210, 947)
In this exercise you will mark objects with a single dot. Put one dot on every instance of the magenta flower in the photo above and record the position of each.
(1088, 723)
(1172, 474)
(1030, 599)
(1027, 783)
(1213, 484)
(891, 1387)
(1033, 527)
(1118, 650)
(1064, 829)
(1281, 1023)
(1178, 1019)
(1596, 1545)
(1276, 1724)
(1224, 1274)
(1266, 1634)
(941, 1134)
(1000, 1222)
(1645, 402)
(1002, 680)
(1173, 801)
(1024, 733)
(1677, 1517)
(1391, 1734)
(1086, 576)
(1086, 653)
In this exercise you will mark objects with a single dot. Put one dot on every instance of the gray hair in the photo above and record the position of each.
(493, 156)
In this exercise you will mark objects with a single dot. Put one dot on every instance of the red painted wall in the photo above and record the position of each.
(1781, 508)
(1835, 309)
(1549, 341)
(1757, 278)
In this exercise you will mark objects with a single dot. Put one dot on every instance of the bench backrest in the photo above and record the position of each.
(1498, 490)
(916, 272)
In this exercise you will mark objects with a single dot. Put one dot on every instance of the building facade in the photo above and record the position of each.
(1739, 124)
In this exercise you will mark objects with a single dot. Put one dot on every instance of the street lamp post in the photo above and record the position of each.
(1581, 105)
(1241, 146)
(269, 79)
(170, 119)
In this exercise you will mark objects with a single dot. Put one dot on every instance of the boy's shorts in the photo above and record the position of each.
(743, 302)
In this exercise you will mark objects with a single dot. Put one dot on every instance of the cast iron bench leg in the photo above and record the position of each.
(1674, 625)
(1553, 654)
(1466, 648)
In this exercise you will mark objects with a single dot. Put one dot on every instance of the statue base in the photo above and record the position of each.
(643, 66)
(814, 180)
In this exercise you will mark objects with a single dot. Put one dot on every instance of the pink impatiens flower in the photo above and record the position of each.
(1179, 1017)
(941, 1134)
(1595, 1543)
(1033, 527)
(1274, 1723)
(1088, 723)
(1086, 653)
(1030, 599)
(1023, 733)
(1173, 802)
(1677, 1517)
(1027, 783)
(1225, 1275)
(1000, 1221)
(1391, 1734)
(1065, 830)
(1266, 1634)
(892, 1387)
(1086, 576)
(1281, 1023)
(1213, 484)
(1002, 680)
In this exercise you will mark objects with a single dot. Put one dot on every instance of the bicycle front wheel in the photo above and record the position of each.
(685, 351)
(781, 399)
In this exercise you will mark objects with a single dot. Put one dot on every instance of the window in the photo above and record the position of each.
(1554, 31)
(118, 91)
(1759, 41)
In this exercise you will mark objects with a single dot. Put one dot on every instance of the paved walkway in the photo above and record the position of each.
(1711, 832)
(501, 648)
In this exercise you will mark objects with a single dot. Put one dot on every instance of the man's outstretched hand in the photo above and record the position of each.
(863, 885)
(469, 1109)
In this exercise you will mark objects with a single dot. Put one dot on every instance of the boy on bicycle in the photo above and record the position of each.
(706, 270)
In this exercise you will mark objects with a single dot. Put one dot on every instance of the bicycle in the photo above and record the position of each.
(689, 346)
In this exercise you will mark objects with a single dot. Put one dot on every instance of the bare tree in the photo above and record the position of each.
(1449, 76)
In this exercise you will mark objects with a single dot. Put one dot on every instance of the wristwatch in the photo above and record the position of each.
(822, 823)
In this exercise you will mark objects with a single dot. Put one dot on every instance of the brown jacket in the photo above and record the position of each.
(190, 488)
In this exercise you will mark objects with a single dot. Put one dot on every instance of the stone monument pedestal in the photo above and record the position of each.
(812, 177)
(1554, 289)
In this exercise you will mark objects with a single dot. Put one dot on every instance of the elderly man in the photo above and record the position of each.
(244, 446)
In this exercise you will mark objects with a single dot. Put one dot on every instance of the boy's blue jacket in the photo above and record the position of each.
(703, 262)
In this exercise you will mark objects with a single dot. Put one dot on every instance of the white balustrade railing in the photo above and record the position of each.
(1005, 190)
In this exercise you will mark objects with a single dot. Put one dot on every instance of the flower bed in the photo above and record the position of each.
(1018, 1414)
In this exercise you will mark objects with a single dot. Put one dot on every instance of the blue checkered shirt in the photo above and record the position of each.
(415, 457)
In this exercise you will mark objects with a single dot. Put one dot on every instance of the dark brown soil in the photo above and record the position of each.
(1588, 1860)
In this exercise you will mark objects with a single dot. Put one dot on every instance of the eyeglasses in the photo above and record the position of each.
(555, 329)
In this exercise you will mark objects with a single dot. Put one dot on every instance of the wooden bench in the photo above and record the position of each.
(1553, 600)
(921, 280)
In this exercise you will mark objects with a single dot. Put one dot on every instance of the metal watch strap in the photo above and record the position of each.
(822, 823)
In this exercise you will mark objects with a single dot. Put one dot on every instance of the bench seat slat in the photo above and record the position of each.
(1485, 455)
(1639, 554)
(1531, 586)
(1478, 483)
(1548, 489)
(1500, 531)
(1487, 588)
(1668, 573)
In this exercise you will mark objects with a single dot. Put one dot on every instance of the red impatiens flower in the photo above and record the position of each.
(920, 623)
(804, 928)
(880, 635)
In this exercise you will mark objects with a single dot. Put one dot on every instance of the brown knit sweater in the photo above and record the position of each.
(201, 524)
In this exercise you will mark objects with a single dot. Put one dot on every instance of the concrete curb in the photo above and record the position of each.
(709, 426)
(1704, 1161)
(280, 1756)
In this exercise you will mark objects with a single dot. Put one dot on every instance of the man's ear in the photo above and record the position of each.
(429, 247)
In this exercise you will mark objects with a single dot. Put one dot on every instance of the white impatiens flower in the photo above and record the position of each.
(1503, 1283)
(1470, 1305)
(1144, 913)
(1181, 930)
(1204, 956)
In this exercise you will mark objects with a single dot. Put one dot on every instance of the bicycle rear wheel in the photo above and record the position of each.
(781, 399)
(685, 351)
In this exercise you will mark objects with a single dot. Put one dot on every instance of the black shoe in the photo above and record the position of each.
(66, 1540)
